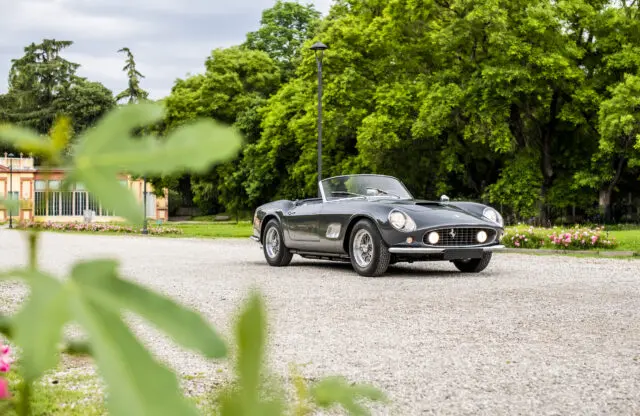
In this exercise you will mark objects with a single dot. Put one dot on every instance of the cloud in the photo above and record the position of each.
(60, 16)
(169, 38)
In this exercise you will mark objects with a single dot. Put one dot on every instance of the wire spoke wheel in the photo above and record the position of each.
(363, 248)
(272, 242)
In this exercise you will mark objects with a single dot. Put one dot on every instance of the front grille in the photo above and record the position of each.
(459, 237)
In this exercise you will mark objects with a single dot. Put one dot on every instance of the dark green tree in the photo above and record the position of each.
(43, 86)
(134, 93)
(234, 87)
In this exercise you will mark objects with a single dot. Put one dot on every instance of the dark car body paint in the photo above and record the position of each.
(304, 223)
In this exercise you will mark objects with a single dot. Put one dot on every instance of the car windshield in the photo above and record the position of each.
(358, 186)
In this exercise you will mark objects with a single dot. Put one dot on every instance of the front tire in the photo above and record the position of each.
(473, 265)
(368, 252)
(273, 246)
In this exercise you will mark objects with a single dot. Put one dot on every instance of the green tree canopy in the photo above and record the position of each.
(43, 86)
(283, 30)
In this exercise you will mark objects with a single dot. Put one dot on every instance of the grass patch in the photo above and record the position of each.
(629, 240)
(215, 230)
(243, 229)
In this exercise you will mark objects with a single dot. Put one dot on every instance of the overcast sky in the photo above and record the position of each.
(169, 38)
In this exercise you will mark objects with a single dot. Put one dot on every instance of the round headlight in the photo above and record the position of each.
(482, 236)
(397, 219)
(401, 221)
(434, 237)
(492, 215)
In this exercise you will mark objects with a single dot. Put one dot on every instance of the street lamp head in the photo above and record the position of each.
(318, 46)
(11, 155)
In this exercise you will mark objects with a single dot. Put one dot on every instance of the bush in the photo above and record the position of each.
(577, 238)
(94, 227)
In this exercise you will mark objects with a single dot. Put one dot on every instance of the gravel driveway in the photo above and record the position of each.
(530, 335)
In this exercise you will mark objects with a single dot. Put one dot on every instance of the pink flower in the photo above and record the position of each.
(4, 389)
(517, 244)
(5, 359)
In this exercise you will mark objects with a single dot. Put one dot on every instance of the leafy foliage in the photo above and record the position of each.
(95, 295)
(44, 86)
(284, 28)
(109, 148)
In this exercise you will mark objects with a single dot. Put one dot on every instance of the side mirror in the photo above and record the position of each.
(444, 199)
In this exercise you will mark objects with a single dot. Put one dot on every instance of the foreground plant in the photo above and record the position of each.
(95, 295)
(5, 366)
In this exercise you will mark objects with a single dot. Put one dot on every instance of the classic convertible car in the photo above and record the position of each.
(373, 221)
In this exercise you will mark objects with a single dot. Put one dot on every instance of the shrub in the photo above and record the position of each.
(95, 227)
(577, 238)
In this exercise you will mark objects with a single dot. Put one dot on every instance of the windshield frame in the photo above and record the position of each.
(365, 197)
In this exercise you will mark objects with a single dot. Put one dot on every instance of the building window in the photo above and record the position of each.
(71, 203)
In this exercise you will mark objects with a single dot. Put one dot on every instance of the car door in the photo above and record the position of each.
(302, 222)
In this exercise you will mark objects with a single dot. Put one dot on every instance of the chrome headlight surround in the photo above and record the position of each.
(493, 215)
(401, 221)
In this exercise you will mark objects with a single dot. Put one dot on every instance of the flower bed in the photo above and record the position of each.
(95, 227)
(577, 238)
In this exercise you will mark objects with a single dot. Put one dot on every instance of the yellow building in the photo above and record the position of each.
(20, 179)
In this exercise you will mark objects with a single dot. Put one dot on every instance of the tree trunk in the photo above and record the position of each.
(606, 193)
(605, 204)
(545, 157)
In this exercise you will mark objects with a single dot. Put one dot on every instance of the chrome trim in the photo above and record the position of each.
(425, 235)
(412, 198)
(324, 199)
(254, 238)
(425, 250)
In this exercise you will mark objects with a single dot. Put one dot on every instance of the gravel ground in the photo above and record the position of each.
(529, 335)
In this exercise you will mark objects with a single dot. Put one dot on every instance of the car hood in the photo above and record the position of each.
(433, 214)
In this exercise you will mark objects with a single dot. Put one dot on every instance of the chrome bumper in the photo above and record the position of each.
(439, 250)
(254, 238)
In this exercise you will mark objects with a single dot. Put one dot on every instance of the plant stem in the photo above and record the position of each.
(25, 399)
(33, 250)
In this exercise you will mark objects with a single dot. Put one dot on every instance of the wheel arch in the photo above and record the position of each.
(265, 221)
(352, 222)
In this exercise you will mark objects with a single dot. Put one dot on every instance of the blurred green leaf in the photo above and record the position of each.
(195, 147)
(10, 204)
(38, 326)
(27, 140)
(184, 326)
(250, 332)
(138, 384)
(111, 148)
(245, 398)
(337, 390)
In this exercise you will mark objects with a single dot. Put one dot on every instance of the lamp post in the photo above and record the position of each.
(10, 189)
(144, 197)
(319, 49)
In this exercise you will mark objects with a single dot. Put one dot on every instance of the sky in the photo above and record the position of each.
(169, 38)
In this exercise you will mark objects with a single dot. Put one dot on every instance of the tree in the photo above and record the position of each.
(236, 84)
(43, 86)
(283, 30)
(133, 92)
(619, 124)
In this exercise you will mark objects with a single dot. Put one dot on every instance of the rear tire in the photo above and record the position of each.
(275, 252)
(473, 265)
(367, 250)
